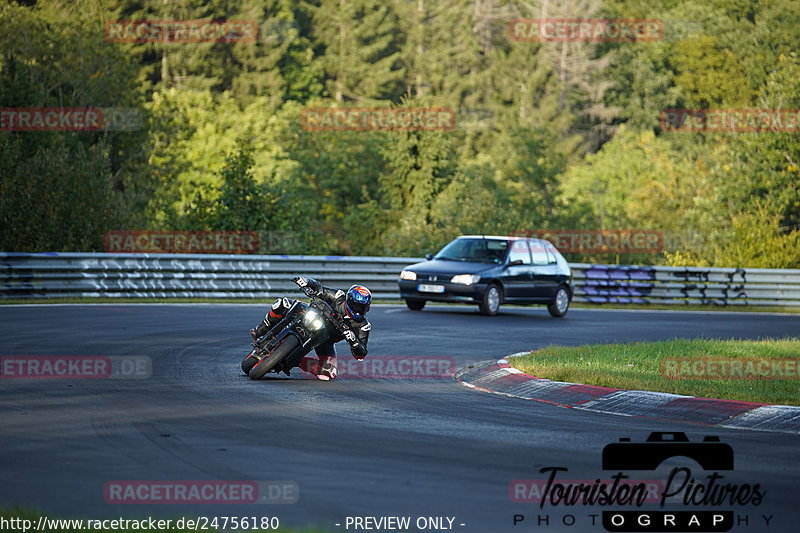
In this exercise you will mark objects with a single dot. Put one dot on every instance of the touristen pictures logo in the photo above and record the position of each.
(676, 497)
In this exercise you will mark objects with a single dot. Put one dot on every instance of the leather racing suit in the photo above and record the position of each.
(326, 352)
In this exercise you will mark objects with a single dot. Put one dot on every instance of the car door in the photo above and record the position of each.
(518, 279)
(545, 270)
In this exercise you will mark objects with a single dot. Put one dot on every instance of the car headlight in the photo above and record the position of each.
(408, 275)
(313, 320)
(466, 279)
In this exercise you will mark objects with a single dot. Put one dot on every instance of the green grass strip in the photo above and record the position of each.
(672, 366)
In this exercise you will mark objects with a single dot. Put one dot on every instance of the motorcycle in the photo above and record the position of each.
(302, 329)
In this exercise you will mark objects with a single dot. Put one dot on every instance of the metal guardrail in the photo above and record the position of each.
(629, 284)
(59, 275)
(188, 275)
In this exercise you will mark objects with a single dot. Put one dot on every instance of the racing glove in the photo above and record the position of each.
(356, 348)
(308, 285)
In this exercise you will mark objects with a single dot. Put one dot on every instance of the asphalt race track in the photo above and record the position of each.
(367, 447)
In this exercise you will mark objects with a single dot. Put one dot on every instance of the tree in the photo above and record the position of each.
(420, 166)
(48, 62)
(359, 49)
(443, 52)
(57, 196)
(708, 75)
(633, 181)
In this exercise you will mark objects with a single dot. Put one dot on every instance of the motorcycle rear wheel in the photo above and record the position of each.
(280, 352)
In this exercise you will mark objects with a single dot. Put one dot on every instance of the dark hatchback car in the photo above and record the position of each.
(489, 271)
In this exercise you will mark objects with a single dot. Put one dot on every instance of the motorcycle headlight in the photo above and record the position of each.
(408, 275)
(313, 320)
(466, 279)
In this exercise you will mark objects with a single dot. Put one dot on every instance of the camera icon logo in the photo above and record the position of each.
(710, 454)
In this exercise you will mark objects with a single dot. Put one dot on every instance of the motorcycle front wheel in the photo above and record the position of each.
(277, 355)
(249, 362)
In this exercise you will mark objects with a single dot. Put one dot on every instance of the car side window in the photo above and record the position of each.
(520, 252)
(551, 253)
(539, 253)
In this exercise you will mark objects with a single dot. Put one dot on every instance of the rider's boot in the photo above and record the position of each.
(328, 370)
(270, 320)
(310, 365)
(324, 367)
(260, 329)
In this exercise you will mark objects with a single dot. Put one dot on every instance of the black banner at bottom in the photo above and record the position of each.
(668, 521)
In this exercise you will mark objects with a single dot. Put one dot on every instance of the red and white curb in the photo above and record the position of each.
(500, 378)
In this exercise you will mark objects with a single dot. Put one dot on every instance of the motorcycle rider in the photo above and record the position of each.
(352, 306)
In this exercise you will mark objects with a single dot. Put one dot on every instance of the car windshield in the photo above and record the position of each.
(474, 250)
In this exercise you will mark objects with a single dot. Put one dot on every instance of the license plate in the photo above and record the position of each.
(430, 288)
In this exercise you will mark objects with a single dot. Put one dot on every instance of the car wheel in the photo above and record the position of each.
(415, 305)
(560, 304)
(491, 300)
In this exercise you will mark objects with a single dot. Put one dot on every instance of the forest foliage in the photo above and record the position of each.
(548, 135)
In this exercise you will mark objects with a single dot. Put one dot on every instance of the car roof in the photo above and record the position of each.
(499, 237)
